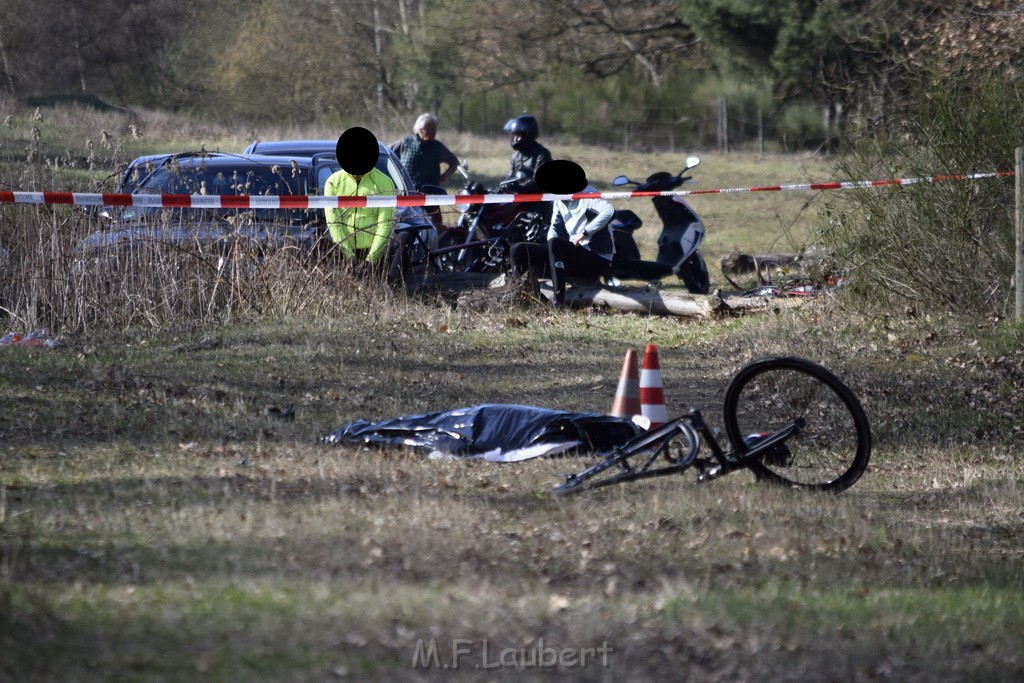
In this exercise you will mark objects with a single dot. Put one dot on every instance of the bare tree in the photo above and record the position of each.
(107, 49)
(610, 33)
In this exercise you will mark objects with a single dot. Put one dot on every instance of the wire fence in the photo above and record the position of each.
(719, 124)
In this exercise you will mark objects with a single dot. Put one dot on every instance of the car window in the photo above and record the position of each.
(394, 169)
(138, 170)
(201, 179)
(251, 180)
(323, 173)
(386, 163)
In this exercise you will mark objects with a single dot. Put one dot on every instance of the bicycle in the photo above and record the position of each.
(795, 287)
(454, 251)
(445, 255)
(789, 421)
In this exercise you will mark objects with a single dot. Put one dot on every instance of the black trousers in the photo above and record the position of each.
(558, 259)
(399, 256)
(396, 260)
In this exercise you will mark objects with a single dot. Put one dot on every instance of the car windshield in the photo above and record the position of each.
(232, 180)
(229, 181)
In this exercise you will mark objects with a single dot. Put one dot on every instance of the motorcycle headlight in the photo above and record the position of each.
(463, 208)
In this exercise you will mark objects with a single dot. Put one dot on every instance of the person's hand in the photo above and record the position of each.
(578, 239)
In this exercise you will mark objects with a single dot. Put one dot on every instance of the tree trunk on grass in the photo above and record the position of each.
(666, 302)
(473, 287)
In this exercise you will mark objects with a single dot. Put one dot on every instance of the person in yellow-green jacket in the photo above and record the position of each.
(365, 233)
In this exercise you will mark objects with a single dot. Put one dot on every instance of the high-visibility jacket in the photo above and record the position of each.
(360, 228)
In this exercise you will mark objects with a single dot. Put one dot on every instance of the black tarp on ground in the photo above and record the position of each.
(501, 432)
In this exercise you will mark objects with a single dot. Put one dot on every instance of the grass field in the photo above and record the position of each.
(158, 524)
(159, 521)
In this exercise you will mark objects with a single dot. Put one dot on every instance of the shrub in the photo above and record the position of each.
(939, 246)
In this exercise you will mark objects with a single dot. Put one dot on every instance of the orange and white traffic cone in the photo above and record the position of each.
(627, 395)
(652, 395)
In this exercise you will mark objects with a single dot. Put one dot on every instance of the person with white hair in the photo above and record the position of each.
(422, 154)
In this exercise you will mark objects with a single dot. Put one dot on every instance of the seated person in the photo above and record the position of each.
(579, 239)
(365, 234)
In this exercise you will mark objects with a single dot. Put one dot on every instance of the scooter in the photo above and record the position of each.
(681, 234)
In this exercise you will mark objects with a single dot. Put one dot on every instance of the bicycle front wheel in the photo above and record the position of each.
(829, 452)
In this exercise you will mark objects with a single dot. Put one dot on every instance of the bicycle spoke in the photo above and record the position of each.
(830, 451)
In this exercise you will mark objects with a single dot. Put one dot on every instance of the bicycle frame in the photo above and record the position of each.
(661, 441)
(433, 255)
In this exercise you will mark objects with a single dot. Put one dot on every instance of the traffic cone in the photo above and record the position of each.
(627, 395)
(652, 396)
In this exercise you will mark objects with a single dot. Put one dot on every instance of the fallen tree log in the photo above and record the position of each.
(654, 301)
(477, 289)
(640, 300)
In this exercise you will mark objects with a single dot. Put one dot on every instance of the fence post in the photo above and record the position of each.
(1019, 224)
(723, 125)
(483, 118)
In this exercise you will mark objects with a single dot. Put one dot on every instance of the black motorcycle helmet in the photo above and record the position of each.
(524, 130)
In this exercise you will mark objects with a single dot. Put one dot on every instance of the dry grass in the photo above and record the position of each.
(157, 522)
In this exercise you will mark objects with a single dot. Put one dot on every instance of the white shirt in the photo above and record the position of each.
(586, 217)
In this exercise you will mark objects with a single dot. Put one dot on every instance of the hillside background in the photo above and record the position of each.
(765, 74)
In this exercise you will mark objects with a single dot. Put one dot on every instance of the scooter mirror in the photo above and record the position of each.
(621, 180)
(691, 162)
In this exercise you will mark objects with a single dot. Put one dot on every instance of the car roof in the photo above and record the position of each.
(229, 160)
(323, 147)
(388, 162)
(292, 147)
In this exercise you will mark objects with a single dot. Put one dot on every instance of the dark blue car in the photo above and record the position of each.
(301, 169)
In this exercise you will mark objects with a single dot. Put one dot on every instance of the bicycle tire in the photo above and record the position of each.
(829, 453)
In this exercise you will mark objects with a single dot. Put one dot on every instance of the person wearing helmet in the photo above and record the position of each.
(528, 156)
(579, 239)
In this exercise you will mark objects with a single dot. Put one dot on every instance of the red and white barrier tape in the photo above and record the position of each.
(200, 201)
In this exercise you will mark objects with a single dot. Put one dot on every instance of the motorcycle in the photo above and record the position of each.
(487, 232)
(681, 234)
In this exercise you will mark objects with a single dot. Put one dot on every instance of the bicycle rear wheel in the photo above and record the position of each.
(829, 453)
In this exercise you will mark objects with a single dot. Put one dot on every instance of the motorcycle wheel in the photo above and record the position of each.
(464, 259)
(448, 260)
(694, 274)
